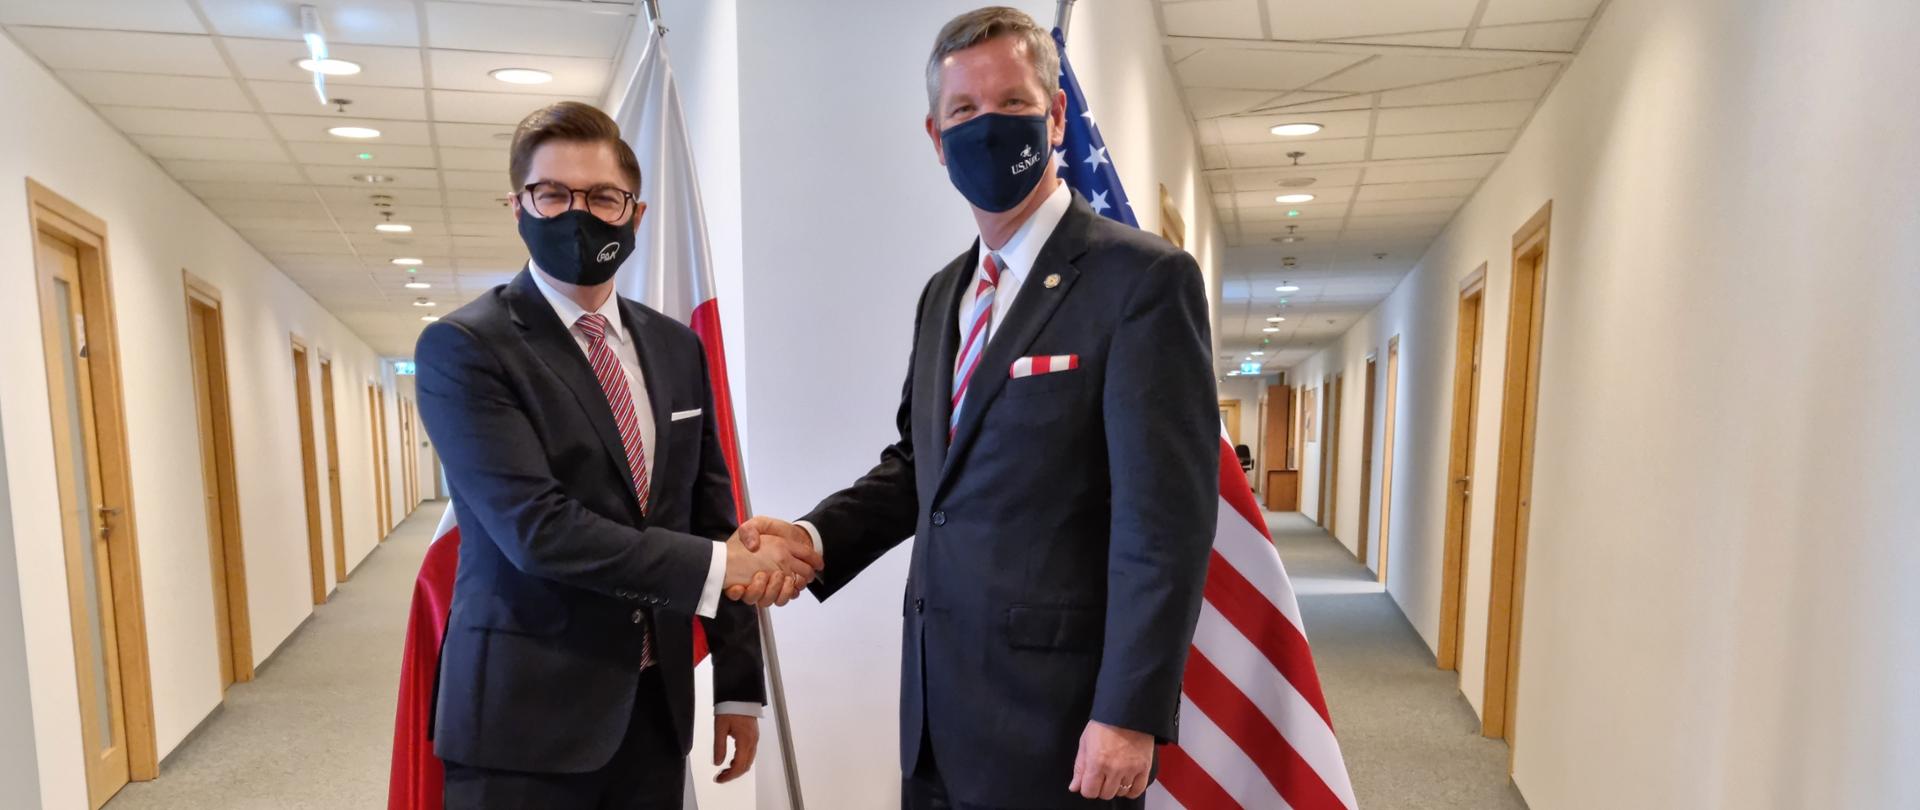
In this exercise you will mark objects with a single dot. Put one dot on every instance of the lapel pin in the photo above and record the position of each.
(1053, 281)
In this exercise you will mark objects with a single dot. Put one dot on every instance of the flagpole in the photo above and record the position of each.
(1062, 15)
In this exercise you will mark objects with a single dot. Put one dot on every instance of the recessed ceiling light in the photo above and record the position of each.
(393, 227)
(522, 76)
(429, 318)
(1285, 287)
(424, 303)
(419, 285)
(406, 261)
(1293, 198)
(1296, 182)
(354, 132)
(1295, 130)
(1259, 354)
(1271, 329)
(329, 67)
(374, 178)
(1275, 319)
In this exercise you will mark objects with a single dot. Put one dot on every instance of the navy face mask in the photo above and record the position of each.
(576, 247)
(996, 160)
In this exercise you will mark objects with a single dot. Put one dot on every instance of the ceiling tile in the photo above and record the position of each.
(367, 22)
(1454, 143)
(217, 191)
(1461, 169)
(505, 109)
(1454, 117)
(401, 179)
(308, 208)
(1207, 102)
(150, 121)
(274, 60)
(492, 198)
(1450, 38)
(1501, 12)
(1417, 191)
(1445, 205)
(1265, 179)
(468, 70)
(474, 136)
(1386, 72)
(474, 159)
(231, 171)
(552, 29)
(173, 16)
(1304, 102)
(297, 98)
(314, 128)
(1239, 19)
(1259, 68)
(497, 215)
(1257, 128)
(152, 90)
(174, 147)
(1523, 84)
(494, 182)
(390, 156)
(85, 49)
(1318, 19)
(360, 193)
(1275, 154)
(1557, 37)
(250, 224)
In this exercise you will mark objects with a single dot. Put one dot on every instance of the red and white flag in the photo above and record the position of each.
(1254, 729)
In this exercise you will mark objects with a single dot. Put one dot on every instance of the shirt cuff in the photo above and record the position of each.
(814, 533)
(716, 577)
(737, 707)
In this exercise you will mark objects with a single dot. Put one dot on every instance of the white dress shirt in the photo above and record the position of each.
(1017, 257)
(621, 341)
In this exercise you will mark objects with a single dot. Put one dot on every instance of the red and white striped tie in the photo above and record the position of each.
(979, 324)
(613, 383)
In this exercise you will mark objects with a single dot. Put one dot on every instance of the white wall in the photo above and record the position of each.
(1249, 392)
(19, 768)
(1718, 593)
(155, 230)
(846, 214)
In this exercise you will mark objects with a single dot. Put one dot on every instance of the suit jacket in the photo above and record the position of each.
(1064, 535)
(559, 569)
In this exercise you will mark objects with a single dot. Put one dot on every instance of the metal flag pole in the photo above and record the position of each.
(783, 727)
(1062, 15)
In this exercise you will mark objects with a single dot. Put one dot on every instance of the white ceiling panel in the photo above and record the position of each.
(1214, 18)
(494, 182)
(468, 70)
(229, 171)
(390, 156)
(1264, 179)
(1526, 84)
(1263, 200)
(503, 109)
(249, 224)
(493, 198)
(1427, 171)
(1257, 129)
(400, 178)
(288, 209)
(361, 193)
(479, 160)
(1206, 102)
(1302, 103)
(1317, 19)
(174, 147)
(595, 32)
(1502, 12)
(154, 90)
(1259, 68)
(314, 128)
(1442, 205)
(1556, 37)
(1417, 191)
(215, 192)
(274, 60)
(1452, 143)
(1450, 38)
(297, 98)
(126, 51)
(474, 136)
(1400, 71)
(365, 22)
(1275, 154)
(172, 16)
(1454, 118)
(497, 216)
(151, 121)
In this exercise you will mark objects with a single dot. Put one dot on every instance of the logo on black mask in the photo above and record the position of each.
(608, 253)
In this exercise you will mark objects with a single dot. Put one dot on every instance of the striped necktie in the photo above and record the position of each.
(979, 324)
(613, 383)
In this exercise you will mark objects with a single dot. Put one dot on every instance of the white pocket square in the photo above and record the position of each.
(679, 415)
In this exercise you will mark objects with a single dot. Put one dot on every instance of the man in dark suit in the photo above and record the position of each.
(595, 509)
(1058, 460)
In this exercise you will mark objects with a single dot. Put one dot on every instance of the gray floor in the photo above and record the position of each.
(1410, 739)
(314, 728)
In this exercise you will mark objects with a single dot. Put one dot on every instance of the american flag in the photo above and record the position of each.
(1254, 728)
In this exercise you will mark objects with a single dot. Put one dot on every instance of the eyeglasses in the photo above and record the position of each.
(609, 204)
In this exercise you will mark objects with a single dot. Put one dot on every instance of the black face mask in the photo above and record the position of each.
(576, 247)
(996, 160)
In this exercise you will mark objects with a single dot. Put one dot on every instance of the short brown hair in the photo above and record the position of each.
(567, 121)
(993, 22)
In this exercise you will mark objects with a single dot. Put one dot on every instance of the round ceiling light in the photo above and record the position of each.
(521, 76)
(429, 318)
(329, 67)
(406, 262)
(1285, 287)
(424, 303)
(393, 227)
(1296, 130)
(1289, 199)
(1298, 182)
(357, 133)
(1271, 329)
(1275, 319)
(374, 178)
(419, 285)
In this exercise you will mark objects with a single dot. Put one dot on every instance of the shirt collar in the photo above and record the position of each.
(570, 312)
(1023, 248)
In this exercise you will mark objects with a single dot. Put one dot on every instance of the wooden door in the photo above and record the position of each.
(1366, 461)
(92, 477)
(226, 554)
(1514, 489)
(333, 471)
(1330, 458)
(1386, 454)
(1230, 416)
(1466, 416)
(310, 484)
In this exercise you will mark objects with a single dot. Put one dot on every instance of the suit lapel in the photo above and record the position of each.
(654, 375)
(1031, 310)
(948, 324)
(554, 345)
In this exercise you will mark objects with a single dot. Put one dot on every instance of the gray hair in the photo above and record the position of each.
(984, 24)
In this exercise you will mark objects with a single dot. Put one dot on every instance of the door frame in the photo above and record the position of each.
(1232, 417)
(302, 356)
(1325, 515)
(1514, 492)
(233, 558)
(1366, 459)
(1467, 345)
(1386, 453)
(329, 415)
(50, 212)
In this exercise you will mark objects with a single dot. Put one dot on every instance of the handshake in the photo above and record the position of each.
(769, 562)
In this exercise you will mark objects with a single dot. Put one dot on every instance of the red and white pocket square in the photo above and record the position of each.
(1044, 364)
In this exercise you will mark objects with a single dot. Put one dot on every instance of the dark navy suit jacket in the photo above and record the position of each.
(1064, 535)
(558, 567)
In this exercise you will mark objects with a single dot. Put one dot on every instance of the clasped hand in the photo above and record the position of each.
(769, 562)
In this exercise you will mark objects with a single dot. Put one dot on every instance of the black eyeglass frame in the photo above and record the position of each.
(628, 200)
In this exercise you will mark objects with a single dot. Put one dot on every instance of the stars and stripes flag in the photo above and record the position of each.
(1254, 728)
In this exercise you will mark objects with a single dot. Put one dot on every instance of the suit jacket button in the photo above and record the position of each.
(639, 616)
(939, 518)
(919, 605)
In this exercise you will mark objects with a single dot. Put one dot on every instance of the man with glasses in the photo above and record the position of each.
(595, 507)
